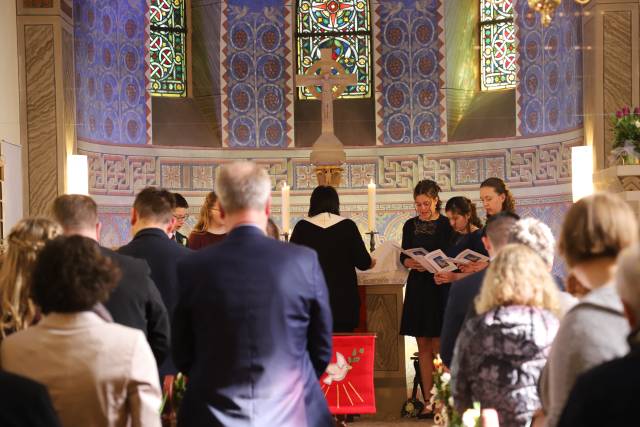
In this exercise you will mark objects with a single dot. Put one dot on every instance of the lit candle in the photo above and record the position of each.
(371, 191)
(285, 207)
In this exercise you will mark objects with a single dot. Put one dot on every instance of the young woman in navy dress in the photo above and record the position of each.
(468, 234)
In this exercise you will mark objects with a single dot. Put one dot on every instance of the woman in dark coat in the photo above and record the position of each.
(340, 249)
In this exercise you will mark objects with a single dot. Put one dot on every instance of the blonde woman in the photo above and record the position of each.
(500, 353)
(26, 239)
(210, 228)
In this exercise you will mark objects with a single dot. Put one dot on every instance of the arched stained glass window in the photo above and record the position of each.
(497, 44)
(168, 48)
(345, 27)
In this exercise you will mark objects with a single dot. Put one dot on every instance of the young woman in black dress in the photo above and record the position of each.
(468, 234)
(424, 301)
(496, 197)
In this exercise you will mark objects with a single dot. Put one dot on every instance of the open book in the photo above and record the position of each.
(467, 256)
(434, 261)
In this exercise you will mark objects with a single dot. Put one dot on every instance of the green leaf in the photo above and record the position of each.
(354, 352)
(361, 350)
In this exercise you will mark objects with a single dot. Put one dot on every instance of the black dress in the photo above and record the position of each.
(424, 301)
(340, 250)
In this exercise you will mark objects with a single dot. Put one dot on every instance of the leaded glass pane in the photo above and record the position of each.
(342, 25)
(321, 16)
(494, 10)
(351, 51)
(167, 48)
(498, 55)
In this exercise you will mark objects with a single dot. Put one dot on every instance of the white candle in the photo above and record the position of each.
(371, 191)
(285, 207)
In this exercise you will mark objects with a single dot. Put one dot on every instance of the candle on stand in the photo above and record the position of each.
(371, 191)
(285, 207)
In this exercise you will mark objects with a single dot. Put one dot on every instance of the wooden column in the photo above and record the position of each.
(611, 59)
(47, 97)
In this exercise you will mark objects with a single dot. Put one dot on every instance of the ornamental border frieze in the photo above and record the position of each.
(393, 170)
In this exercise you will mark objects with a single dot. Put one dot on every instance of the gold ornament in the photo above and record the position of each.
(547, 8)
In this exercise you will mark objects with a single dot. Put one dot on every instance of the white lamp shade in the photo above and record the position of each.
(581, 172)
(77, 174)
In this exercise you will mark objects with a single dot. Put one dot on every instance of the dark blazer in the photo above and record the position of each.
(136, 303)
(607, 395)
(252, 330)
(461, 296)
(162, 255)
(180, 239)
(25, 403)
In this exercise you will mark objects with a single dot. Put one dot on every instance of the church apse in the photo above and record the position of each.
(246, 83)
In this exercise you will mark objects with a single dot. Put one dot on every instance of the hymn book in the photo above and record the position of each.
(434, 261)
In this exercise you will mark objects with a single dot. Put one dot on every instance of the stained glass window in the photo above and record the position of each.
(345, 27)
(497, 44)
(168, 48)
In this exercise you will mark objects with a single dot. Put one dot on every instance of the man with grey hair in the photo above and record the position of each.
(252, 328)
(609, 394)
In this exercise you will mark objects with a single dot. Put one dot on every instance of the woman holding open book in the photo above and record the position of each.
(424, 301)
(467, 238)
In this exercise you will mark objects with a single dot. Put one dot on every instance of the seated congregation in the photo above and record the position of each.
(88, 334)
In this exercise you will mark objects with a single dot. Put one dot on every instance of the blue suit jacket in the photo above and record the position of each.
(252, 330)
(461, 295)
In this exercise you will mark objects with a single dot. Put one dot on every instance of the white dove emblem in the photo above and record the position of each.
(337, 371)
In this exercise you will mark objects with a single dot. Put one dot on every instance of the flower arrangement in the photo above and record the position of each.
(173, 393)
(441, 401)
(626, 134)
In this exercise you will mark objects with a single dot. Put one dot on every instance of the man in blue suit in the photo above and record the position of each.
(252, 328)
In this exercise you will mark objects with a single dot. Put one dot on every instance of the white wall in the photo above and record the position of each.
(10, 104)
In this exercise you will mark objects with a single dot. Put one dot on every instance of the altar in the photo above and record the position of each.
(384, 296)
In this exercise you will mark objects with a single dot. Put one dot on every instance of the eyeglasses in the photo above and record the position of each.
(181, 217)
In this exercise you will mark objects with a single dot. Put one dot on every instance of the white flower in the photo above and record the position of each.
(470, 417)
(637, 123)
(437, 420)
(446, 377)
(451, 401)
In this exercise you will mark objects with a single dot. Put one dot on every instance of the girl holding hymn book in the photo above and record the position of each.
(467, 237)
(496, 197)
(424, 301)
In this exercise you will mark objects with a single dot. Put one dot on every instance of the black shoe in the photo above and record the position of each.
(425, 416)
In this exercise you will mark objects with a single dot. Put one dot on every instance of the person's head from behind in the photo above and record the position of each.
(77, 214)
(496, 197)
(497, 230)
(72, 275)
(210, 216)
(628, 283)
(324, 199)
(181, 211)
(25, 241)
(272, 229)
(462, 214)
(594, 231)
(244, 191)
(153, 208)
(517, 276)
(426, 196)
(536, 235)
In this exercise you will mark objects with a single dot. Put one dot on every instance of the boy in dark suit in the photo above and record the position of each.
(135, 302)
(152, 220)
(180, 213)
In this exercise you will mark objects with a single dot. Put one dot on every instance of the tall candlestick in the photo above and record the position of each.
(285, 207)
(371, 191)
